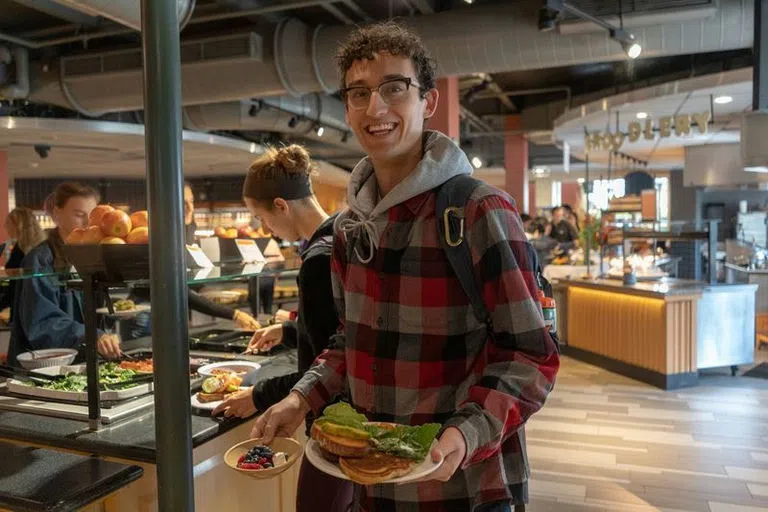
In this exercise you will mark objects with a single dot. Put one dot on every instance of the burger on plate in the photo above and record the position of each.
(371, 452)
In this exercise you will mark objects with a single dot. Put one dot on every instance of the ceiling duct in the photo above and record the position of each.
(125, 12)
(488, 39)
(279, 115)
(19, 89)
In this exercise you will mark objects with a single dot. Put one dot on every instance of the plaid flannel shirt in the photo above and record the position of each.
(411, 350)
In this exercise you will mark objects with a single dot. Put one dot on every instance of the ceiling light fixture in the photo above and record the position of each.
(293, 121)
(580, 181)
(345, 137)
(469, 1)
(628, 42)
(320, 130)
(476, 162)
(642, 115)
(723, 100)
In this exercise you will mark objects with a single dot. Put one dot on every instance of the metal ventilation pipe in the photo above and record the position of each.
(125, 12)
(272, 115)
(20, 88)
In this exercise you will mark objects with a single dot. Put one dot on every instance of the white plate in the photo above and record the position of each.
(205, 406)
(315, 456)
(205, 371)
(140, 308)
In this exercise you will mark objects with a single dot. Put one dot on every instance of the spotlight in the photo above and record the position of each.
(723, 100)
(320, 130)
(293, 121)
(42, 150)
(628, 42)
(476, 162)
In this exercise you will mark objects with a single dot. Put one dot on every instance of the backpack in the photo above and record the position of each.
(449, 213)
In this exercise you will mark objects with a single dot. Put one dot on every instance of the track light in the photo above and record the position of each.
(319, 130)
(628, 42)
(344, 137)
(476, 162)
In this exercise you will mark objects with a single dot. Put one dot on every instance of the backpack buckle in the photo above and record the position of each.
(459, 214)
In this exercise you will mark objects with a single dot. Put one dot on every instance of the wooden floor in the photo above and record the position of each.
(605, 442)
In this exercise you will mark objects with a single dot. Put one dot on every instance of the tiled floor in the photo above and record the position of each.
(604, 442)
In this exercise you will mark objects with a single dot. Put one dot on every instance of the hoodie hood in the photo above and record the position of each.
(442, 160)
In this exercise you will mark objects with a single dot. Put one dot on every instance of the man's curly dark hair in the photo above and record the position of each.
(392, 37)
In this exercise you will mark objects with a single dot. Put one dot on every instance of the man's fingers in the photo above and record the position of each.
(268, 434)
(258, 426)
(447, 468)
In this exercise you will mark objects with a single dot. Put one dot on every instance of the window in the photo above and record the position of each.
(557, 193)
(603, 191)
(662, 197)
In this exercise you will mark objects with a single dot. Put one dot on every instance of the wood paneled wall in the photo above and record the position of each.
(655, 334)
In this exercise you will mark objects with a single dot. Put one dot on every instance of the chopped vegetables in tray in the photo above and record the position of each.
(111, 377)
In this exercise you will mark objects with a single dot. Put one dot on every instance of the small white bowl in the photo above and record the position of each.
(47, 358)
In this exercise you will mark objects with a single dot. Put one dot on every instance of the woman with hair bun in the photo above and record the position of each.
(278, 190)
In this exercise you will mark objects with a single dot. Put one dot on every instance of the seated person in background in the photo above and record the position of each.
(22, 227)
(562, 231)
(48, 315)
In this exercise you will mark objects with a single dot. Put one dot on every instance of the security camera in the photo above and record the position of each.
(548, 18)
(42, 150)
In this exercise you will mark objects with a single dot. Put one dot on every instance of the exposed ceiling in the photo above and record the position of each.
(539, 92)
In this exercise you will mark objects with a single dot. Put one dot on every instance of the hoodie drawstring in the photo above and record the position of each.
(356, 226)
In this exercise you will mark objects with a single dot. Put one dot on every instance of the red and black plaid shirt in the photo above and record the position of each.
(411, 350)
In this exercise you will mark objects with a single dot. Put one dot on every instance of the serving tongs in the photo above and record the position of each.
(23, 374)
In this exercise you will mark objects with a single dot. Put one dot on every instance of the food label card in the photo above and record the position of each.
(249, 251)
(199, 257)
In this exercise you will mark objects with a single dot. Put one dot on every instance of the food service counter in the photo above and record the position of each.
(659, 332)
(132, 441)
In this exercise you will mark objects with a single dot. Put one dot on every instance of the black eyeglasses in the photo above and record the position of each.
(391, 91)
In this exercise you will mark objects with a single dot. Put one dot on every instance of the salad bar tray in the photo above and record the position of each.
(116, 384)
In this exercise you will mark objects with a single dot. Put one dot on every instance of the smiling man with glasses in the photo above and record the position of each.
(411, 349)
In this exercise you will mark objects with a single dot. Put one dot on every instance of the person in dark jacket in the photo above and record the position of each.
(21, 226)
(278, 191)
(48, 315)
(195, 301)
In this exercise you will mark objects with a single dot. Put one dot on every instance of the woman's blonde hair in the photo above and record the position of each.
(280, 172)
(28, 231)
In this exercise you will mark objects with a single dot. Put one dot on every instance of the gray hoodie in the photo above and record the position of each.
(367, 216)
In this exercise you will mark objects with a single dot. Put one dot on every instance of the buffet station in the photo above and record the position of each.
(56, 402)
(631, 315)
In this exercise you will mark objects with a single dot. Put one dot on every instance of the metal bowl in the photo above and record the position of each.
(47, 358)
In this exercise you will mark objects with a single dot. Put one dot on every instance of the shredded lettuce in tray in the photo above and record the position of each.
(111, 378)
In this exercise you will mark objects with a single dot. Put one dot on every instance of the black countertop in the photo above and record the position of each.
(35, 479)
(132, 438)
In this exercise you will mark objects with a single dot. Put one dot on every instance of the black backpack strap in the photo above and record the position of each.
(451, 199)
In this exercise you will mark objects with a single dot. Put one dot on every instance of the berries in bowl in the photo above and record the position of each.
(257, 460)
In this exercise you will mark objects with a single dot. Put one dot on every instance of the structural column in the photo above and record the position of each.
(4, 199)
(516, 163)
(571, 194)
(446, 117)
